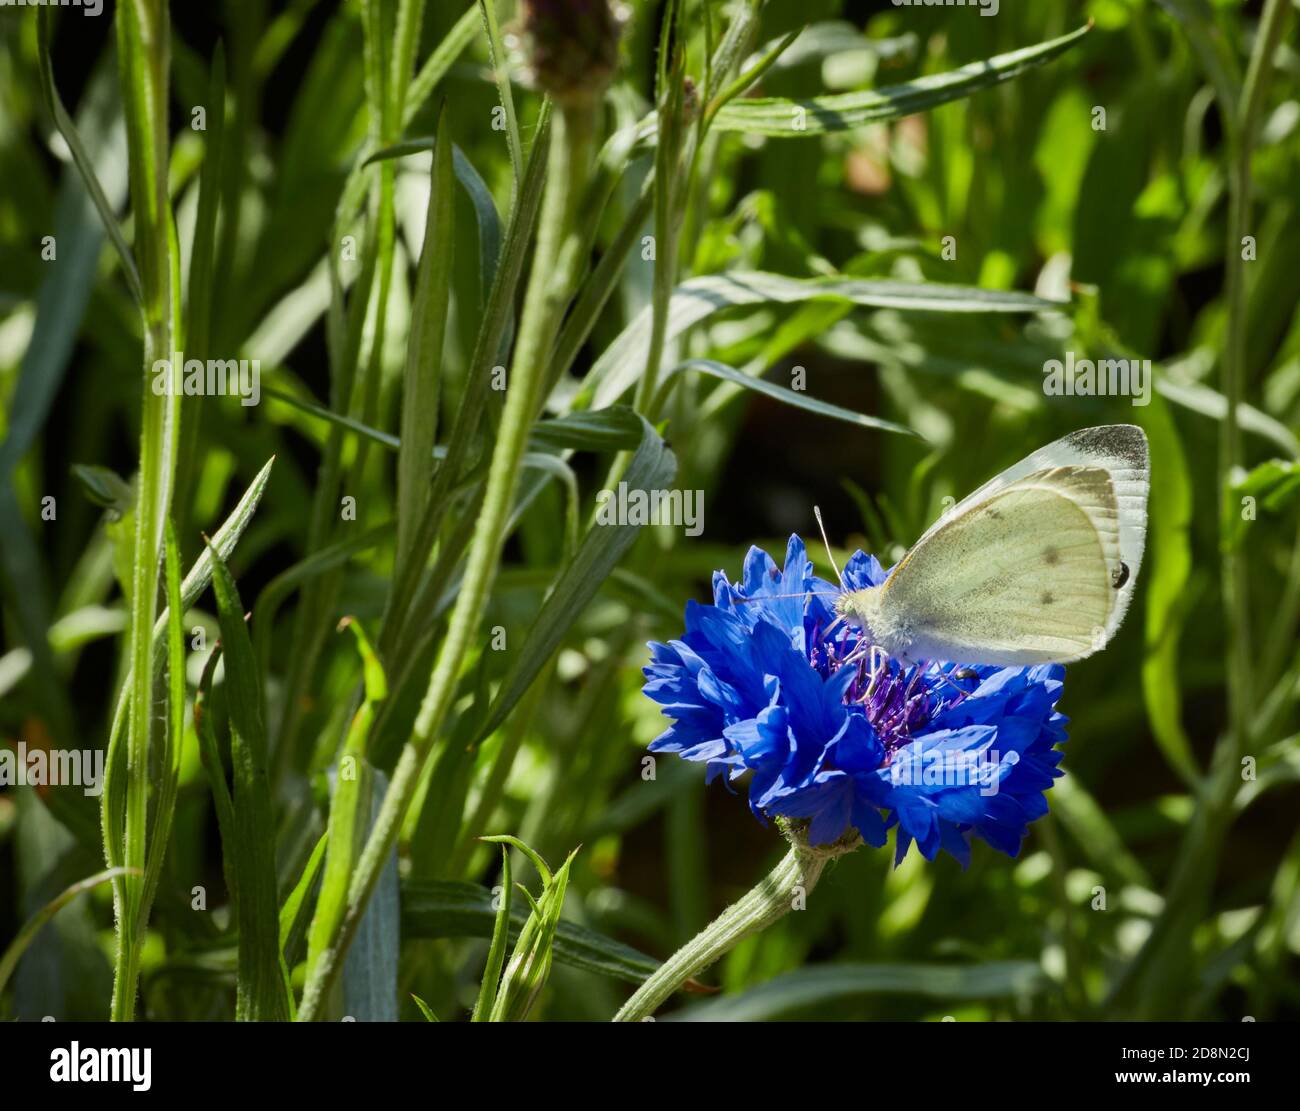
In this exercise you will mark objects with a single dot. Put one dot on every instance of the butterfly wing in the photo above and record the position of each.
(1118, 449)
(1020, 575)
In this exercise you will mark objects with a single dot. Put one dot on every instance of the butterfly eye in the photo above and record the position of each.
(1119, 576)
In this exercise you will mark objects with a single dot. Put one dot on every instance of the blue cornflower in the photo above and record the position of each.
(833, 732)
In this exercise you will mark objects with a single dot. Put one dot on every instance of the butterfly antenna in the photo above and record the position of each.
(801, 594)
(818, 514)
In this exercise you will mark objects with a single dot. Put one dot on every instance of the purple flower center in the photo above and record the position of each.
(898, 701)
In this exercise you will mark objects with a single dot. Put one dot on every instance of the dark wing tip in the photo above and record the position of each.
(1113, 441)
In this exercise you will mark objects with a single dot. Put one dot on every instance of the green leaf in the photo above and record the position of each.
(780, 393)
(515, 843)
(210, 758)
(623, 362)
(1271, 485)
(652, 468)
(501, 73)
(487, 992)
(782, 118)
(485, 215)
(202, 269)
(14, 950)
(81, 158)
(425, 1009)
(424, 352)
(1279, 765)
(818, 41)
(279, 588)
(197, 339)
(223, 541)
(174, 735)
(485, 209)
(293, 915)
(617, 428)
(827, 984)
(375, 682)
(1210, 403)
(753, 74)
(261, 994)
(438, 909)
(440, 61)
(547, 433)
(106, 488)
(370, 970)
(350, 816)
(1169, 570)
(488, 344)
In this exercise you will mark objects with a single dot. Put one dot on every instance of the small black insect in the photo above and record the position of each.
(1119, 576)
(966, 673)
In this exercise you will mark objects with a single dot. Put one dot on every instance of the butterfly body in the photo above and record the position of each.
(1037, 566)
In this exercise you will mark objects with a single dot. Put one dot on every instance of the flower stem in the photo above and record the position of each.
(774, 897)
(143, 35)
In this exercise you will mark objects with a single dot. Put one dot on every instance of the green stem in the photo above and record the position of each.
(554, 266)
(775, 896)
(142, 35)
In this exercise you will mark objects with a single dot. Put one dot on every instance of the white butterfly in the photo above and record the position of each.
(1036, 566)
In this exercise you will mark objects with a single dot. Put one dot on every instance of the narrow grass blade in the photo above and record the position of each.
(652, 468)
(294, 916)
(275, 592)
(197, 340)
(195, 583)
(442, 908)
(617, 428)
(598, 288)
(751, 76)
(15, 949)
(143, 35)
(440, 61)
(485, 215)
(425, 1009)
(347, 824)
(215, 770)
(81, 159)
(543, 869)
(174, 735)
(487, 992)
(1208, 402)
(424, 351)
(779, 393)
(493, 328)
(781, 118)
(261, 992)
(497, 56)
(622, 363)
(485, 209)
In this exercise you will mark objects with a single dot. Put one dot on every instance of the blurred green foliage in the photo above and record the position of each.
(1165, 882)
